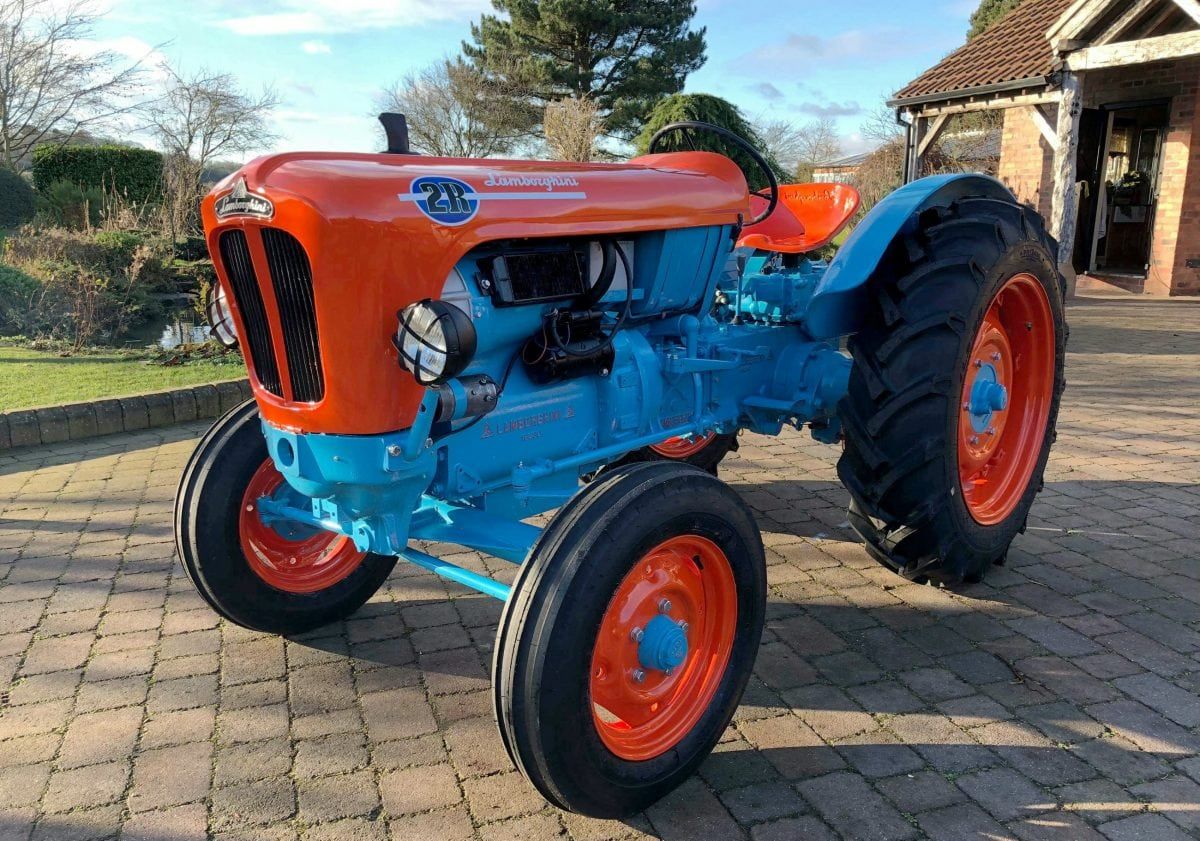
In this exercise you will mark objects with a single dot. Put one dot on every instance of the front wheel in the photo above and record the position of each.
(703, 451)
(951, 407)
(630, 637)
(275, 577)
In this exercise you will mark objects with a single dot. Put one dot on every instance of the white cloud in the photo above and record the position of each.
(295, 17)
(316, 47)
(811, 51)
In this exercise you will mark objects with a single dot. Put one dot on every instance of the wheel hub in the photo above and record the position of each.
(663, 646)
(1006, 399)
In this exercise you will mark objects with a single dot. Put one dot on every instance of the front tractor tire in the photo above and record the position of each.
(953, 398)
(629, 637)
(277, 579)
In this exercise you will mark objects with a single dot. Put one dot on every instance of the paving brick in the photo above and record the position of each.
(95, 785)
(955, 823)
(100, 737)
(419, 789)
(170, 776)
(253, 804)
(339, 796)
(1143, 828)
(854, 809)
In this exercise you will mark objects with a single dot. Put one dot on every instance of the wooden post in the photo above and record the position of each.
(1065, 206)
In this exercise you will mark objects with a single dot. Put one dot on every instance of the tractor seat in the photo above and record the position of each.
(807, 218)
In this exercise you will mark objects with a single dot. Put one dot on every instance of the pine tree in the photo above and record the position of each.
(706, 108)
(989, 12)
(624, 55)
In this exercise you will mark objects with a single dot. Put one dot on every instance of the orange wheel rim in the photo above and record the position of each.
(301, 562)
(640, 709)
(1006, 398)
(682, 446)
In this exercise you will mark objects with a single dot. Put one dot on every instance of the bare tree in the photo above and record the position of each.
(817, 142)
(50, 86)
(571, 127)
(455, 111)
(199, 118)
(783, 140)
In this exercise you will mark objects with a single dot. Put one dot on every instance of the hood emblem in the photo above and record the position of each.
(241, 202)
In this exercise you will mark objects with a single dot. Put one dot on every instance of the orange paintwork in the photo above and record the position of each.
(1017, 338)
(373, 253)
(808, 217)
(641, 719)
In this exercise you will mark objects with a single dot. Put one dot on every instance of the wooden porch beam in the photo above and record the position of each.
(994, 103)
(931, 134)
(1064, 208)
(1127, 53)
(1042, 120)
(1121, 24)
(1191, 7)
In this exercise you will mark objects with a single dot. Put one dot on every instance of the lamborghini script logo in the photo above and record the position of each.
(241, 202)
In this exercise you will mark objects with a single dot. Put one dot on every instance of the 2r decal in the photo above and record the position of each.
(445, 200)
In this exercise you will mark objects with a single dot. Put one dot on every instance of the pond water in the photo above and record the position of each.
(178, 332)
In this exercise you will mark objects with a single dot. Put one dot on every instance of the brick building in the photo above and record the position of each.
(1101, 129)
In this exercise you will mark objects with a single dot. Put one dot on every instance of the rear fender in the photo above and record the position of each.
(839, 304)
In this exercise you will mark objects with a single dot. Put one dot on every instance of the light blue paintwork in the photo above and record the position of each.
(988, 396)
(663, 645)
(767, 356)
(839, 301)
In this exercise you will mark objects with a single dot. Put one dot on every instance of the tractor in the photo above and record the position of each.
(442, 349)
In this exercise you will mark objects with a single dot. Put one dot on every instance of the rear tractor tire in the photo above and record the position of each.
(278, 579)
(629, 637)
(953, 398)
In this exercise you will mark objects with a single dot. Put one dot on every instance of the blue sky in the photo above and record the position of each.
(328, 58)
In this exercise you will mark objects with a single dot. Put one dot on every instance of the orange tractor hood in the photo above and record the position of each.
(383, 231)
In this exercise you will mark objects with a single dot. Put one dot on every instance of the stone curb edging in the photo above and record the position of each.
(75, 421)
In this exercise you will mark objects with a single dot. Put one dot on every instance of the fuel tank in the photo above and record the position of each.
(318, 251)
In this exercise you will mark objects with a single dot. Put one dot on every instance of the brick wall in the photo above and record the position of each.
(1027, 160)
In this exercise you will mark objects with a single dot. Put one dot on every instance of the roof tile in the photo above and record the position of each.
(1013, 49)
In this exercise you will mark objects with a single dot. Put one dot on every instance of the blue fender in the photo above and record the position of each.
(838, 306)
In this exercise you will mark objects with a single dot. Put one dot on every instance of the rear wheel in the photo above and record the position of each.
(629, 638)
(277, 577)
(951, 408)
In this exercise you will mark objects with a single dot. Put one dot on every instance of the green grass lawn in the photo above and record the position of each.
(31, 378)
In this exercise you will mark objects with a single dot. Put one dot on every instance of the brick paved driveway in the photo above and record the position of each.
(1058, 700)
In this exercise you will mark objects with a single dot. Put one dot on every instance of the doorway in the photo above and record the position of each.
(1126, 196)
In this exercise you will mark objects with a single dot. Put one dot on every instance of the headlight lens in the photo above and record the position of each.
(436, 341)
(220, 316)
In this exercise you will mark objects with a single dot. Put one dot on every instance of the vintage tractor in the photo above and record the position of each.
(441, 349)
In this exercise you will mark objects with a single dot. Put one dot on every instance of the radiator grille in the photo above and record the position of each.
(235, 254)
(291, 277)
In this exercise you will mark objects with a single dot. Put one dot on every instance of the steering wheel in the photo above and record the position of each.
(687, 128)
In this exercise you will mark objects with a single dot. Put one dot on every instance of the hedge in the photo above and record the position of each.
(136, 173)
(17, 204)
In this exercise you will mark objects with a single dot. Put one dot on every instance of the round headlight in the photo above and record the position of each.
(436, 341)
(220, 316)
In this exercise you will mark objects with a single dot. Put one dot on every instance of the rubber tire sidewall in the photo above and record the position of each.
(548, 658)
(207, 516)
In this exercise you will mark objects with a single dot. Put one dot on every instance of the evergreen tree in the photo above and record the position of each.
(706, 108)
(989, 12)
(624, 55)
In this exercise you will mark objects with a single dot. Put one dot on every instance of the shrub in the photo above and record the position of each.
(68, 205)
(19, 293)
(135, 174)
(17, 201)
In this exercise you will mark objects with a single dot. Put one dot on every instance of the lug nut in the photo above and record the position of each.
(966, 407)
(669, 672)
(636, 634)
(394, 450)
(996, 356)
(683, 626)
(664, 606)
(974, 440)
(638, 675)
(992, 431)
(978, 363)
